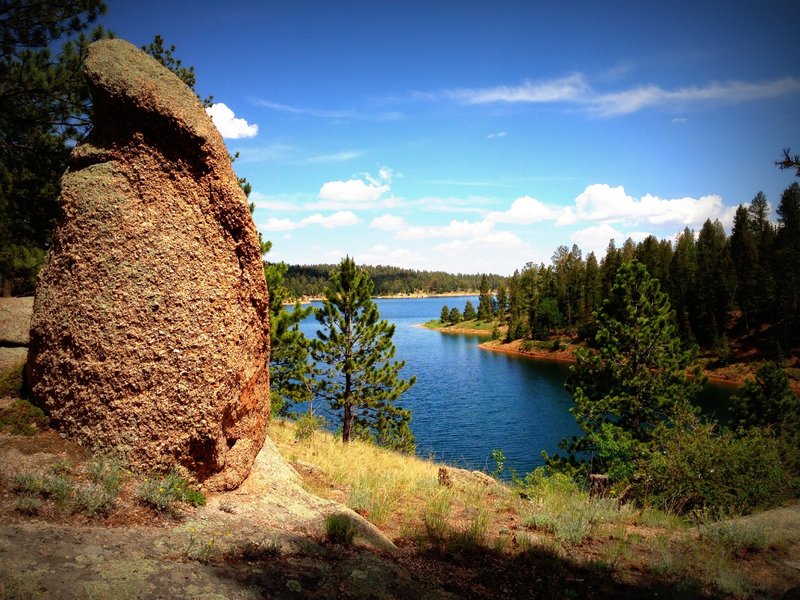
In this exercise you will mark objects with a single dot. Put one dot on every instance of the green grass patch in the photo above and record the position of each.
(21, 417)
(11, 382)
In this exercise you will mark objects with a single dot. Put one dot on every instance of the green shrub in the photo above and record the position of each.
(27, 483)
(94, 500)
(107, 472)
(29, 505)
(339, 529)
(163, 492)
(58, 488)
(734, 537)
(21, 417)
(695, 466)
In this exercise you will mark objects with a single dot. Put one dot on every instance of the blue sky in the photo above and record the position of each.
(478, 136)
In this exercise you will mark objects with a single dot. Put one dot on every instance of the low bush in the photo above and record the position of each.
(734, 537)
(696, 467)
(161, 493)
(306, 425)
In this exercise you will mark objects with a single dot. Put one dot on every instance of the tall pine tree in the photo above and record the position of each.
(355, 351)
(632, 379)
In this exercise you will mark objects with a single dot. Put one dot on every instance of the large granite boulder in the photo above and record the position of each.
(150, 327)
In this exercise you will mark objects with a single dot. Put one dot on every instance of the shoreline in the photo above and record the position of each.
(413, 296)
(565, 356)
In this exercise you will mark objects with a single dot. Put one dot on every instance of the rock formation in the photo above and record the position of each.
(150, 326)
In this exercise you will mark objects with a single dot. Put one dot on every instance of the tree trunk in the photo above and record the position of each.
(348, 418)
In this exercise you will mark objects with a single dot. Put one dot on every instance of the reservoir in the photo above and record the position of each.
(468, 401)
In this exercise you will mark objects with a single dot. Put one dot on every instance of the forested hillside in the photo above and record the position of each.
(310, 280)
(743, 287)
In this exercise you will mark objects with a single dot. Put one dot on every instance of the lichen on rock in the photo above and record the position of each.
(150, 325)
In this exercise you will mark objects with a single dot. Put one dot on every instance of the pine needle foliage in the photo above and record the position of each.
(355, 352)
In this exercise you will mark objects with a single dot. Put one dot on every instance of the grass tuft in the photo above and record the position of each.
(339, 529)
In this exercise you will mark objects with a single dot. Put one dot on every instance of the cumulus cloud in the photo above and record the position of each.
(497, 239)
(365, 189)
(603, 203)
(388, 222)
(596, 238)
(523, 211)
(229, 125)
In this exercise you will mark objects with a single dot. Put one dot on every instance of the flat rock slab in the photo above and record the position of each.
(15, 321)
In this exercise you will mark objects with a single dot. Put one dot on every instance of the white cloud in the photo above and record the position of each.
(333, 158)
(229, 125)
(352, 190)
(388, 222)
(328, 114)
(635, 99)
(343, 218)
(600, 202)
(454, 229)
(498, 239)
(570, 88)
(523, 211)
(680, 120)
(497, 134)
(274, 224)
(575, 89)
(595, 239)
(366, 189)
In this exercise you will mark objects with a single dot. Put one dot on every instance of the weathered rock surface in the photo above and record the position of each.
(150, 324)
(15, 321)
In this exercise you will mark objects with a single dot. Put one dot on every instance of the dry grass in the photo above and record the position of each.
(404, 497)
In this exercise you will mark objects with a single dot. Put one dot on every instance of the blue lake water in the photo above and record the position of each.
(468, 401)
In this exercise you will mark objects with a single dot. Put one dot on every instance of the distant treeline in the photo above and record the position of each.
(746, 285)
(310, 280)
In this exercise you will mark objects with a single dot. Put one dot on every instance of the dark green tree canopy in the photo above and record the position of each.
(633, 377)
(44, 110)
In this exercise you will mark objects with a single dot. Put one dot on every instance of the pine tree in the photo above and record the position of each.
(767, 401)
(787, 263)
(469, 311)
(632, 379)
(291, 372)
(444, 317)
(714, 283)
(485, 303)
(355, 351)
(502, 302)
(44, 109)
(744, 255)
(455, 316)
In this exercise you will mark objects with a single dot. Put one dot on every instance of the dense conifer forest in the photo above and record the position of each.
(310, 280)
